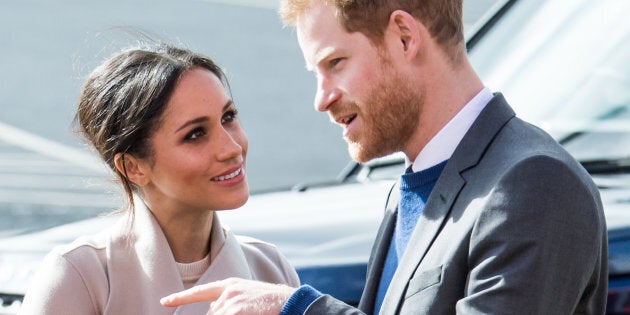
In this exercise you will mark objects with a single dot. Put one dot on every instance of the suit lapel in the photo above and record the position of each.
(379, 251)
(467, 154)
(429, 224)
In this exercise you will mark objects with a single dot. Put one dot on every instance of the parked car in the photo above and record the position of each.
(562, 64)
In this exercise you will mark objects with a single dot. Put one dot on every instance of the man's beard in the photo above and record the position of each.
(390, 117)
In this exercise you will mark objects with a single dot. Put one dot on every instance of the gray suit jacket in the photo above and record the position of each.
(514, 225)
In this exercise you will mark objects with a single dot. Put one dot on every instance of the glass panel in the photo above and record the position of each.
(563, 65)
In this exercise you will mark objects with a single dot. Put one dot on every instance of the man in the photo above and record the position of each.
(493, 216)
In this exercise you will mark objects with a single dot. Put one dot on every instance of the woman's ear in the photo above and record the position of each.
(131, 168)
(407, 31)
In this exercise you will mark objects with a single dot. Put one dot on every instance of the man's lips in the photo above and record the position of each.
(346, 120)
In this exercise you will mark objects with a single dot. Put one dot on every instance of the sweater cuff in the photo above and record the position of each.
(299, 301)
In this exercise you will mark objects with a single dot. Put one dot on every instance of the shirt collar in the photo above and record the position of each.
(443, 144)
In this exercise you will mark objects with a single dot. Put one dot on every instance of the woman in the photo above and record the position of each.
(162, 120)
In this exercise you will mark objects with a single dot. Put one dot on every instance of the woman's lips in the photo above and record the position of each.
(228, 176)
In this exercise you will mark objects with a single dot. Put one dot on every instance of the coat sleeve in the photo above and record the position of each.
(326, 304)
(539, 246)
(290, 275)
(267, 263)
(58, 288)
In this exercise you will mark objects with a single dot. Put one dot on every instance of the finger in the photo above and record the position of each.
(205, 292)
(210, 309)
(220, 307)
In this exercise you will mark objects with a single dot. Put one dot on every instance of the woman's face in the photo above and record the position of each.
(198, 158)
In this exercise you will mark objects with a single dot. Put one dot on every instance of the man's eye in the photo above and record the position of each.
(335, 62)
(229, 116)
(195, 134)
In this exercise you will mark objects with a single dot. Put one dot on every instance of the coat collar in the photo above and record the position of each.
(467, 154)
(141, 267)
(229, 261)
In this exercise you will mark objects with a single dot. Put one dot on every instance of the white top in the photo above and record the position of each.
(443, 144)
(192, 272)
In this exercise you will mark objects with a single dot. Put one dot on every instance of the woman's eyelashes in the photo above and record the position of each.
(195, 134)
(229, 116)
(200, 131)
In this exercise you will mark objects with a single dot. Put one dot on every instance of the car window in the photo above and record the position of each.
(563, 65)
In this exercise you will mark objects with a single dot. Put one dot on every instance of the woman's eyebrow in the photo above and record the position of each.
(227, 105)
(203, 118)
(192, 122)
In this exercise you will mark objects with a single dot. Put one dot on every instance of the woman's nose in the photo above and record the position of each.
(230, 147)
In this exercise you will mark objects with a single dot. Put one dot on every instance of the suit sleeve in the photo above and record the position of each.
(539, 244)
(326, 304)
(58, 288)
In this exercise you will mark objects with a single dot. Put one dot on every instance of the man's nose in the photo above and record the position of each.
(326, 95)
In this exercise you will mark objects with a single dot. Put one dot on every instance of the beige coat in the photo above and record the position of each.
(118, 272)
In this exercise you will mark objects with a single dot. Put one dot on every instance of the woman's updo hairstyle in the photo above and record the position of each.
(122, 100)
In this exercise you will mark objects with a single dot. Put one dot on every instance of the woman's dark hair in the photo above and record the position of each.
(122, 100)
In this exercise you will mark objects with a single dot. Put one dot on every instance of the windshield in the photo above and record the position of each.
(563, 65)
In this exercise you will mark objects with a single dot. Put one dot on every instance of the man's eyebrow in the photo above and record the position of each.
(203, 118)
(320, 56)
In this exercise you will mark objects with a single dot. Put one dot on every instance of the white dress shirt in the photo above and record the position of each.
(443, 144)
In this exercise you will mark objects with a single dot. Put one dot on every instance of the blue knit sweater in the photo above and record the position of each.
(415, 189)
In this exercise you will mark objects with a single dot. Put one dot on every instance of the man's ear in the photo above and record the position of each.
(408, 31)
(131, 168)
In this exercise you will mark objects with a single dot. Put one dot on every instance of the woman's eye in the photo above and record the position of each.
(229, 116)
(195, 134)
